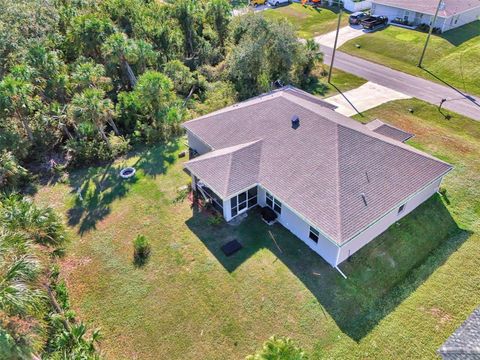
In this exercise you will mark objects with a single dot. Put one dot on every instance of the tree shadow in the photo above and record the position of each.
(154, 161)
(380, 276)
(96, 188)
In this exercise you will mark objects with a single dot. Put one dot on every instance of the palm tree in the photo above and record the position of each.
(91, 106)
(21, 300)
(41, 225)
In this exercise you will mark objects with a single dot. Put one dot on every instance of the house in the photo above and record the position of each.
(334, 183)
(464, 343)
(452, 13)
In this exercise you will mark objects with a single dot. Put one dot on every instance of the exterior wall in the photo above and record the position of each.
(301, 229)
(195, 143)
(355, 6)
(414, 17)
(227, 210)
(392, 217)
(462, 19)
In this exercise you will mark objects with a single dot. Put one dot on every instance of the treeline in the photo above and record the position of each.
(82, 80)
(35, 319)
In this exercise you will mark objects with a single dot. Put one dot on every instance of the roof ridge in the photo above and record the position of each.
(337, 169)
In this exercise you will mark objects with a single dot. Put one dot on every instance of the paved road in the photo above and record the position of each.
(408, 84)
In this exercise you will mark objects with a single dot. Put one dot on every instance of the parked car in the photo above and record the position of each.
(257, 2)
(357, 17)
(374, 22)
(278, 2)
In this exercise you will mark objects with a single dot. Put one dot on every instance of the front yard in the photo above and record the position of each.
(451, 57)
(308, 20)
(405, 292)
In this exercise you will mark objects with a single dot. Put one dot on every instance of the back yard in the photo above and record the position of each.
(451, 57)
(405, 292)
(308, 20)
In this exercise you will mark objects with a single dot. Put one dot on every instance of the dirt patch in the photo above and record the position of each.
(71, 264)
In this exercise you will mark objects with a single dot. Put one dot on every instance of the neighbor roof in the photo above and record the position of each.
(319, 169)
(452, 7)
(391, 131)
(464, 343)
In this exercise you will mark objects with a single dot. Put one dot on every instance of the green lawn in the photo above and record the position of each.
(341, 81)
(452, 57)
(405, 292)
(308, 21)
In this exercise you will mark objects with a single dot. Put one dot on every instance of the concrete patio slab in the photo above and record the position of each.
(365, 97)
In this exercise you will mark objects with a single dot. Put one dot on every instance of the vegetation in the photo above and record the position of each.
(278, 348)
(449, 57)
(86, 80)
(308, 21)
(33, 323)
(225, 307)
(141, 250)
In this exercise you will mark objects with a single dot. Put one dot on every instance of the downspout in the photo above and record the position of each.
(336, 264)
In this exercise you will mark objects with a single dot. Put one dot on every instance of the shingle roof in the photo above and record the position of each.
(319, 169)
(451, 7)
(229, 170)
(391, 131)
(464, 343)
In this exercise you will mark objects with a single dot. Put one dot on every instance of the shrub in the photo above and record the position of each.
(215, 219)
(90, 151)
(141, 250)
(12, 175)
(279, 348)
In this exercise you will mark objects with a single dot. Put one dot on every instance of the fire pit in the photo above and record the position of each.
(128, 172)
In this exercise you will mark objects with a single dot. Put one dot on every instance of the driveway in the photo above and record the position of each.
(365, 97)
(345, 34)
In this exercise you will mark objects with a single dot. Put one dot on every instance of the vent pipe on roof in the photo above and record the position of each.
(364, 198)
(295, 121)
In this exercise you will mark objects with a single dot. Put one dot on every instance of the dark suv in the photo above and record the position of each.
(357, 17)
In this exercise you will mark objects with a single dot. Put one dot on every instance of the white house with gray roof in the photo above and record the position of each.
(452, 13)
(333, 182)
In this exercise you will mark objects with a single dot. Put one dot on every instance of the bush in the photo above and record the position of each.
(215, 219)
(12, 175)
(279, 348)
(91, 151)
(141, 250)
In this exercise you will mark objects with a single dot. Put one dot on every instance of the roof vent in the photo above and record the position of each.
(295, 121)
(364, 198)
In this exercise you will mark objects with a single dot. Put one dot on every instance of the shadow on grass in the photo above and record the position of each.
(380, 276)
(462, 34)
(100, 186)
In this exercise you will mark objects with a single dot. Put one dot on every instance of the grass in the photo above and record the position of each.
(451, 57)
(405, 292)
(307, 20)
(341, 81)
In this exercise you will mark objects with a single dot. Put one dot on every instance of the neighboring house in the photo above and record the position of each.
(334, 183)
(464, 343)
(452, 14)
(353, 5)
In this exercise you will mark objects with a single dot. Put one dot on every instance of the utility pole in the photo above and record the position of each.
(432, 24)
(335, 44)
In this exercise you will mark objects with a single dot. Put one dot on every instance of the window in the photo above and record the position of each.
(243, 201)
(401, 208)
(314, 234)
(273, 203)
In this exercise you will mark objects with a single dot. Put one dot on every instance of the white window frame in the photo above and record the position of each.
(315, 232)
(274, 202)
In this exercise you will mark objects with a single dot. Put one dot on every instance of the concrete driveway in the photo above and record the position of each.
(345, 34)
(365, 97)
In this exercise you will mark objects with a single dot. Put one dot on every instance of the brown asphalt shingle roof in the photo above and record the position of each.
(452, 7)
(319, 169)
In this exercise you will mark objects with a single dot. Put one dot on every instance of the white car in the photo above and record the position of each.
(278, 2)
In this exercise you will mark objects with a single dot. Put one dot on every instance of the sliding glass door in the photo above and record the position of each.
(244, 201)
